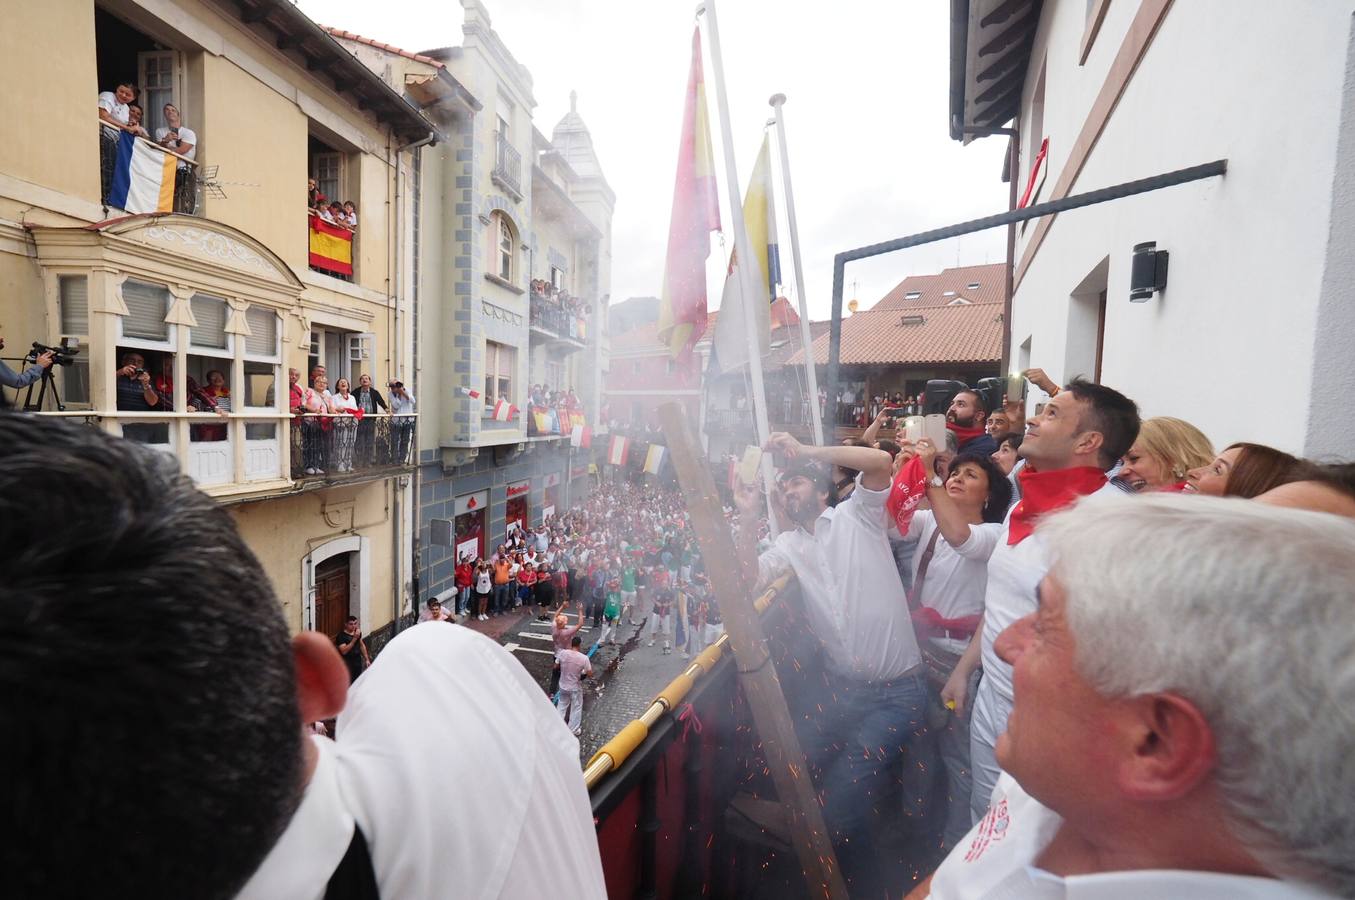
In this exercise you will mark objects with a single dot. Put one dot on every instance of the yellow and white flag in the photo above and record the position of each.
(759, 217)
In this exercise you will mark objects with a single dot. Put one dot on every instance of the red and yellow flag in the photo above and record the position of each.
(331, 246)
(696, 213)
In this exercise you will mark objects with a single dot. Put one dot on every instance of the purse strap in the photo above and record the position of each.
(915, 595)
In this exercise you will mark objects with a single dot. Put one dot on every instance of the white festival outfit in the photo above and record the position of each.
(1014, 571)
(996, 861)
(439, 692)
(851, 588)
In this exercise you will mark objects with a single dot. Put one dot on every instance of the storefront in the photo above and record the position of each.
(550, 495)
(516, 509)
(470, 524)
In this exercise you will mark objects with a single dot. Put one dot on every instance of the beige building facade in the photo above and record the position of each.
(226, 284)
(513, 279)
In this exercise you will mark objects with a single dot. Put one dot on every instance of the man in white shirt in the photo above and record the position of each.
(115, 114)
(182, 140)
(574, 666)
(1178, 726)
(206, 779)
(856, 607)
(1080, 433)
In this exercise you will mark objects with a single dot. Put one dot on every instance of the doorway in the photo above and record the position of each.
(332, 591)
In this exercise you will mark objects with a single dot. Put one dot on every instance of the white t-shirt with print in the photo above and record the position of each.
(996, 861)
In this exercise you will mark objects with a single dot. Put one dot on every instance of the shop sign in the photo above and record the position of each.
(468, 503)
(519, 489)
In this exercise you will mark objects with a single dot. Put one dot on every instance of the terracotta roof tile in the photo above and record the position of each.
(389, 48)
(947, 334)
(991, 280)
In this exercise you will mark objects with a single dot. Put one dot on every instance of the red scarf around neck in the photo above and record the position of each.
(964, 435)
(1045, 492)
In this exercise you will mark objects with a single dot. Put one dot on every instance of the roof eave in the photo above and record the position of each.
(324, 57)
(992, 73)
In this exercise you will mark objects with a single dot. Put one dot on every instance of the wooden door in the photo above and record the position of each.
(331, 595)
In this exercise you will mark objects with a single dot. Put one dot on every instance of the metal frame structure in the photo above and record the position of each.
(1011, 217)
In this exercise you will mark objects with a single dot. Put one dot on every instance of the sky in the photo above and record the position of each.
(867, 86)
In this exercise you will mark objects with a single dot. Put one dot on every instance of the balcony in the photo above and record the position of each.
(552, 319)
(507, 172)
(121, 189)
(327, 448)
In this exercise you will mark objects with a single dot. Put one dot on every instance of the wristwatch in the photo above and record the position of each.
(936, 481)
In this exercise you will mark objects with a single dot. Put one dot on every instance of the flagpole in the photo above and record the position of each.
(745, 269)
(806, 340)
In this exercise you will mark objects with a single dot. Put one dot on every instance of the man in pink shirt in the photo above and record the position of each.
(574, 667)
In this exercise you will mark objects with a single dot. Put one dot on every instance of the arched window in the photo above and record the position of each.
(503, 239)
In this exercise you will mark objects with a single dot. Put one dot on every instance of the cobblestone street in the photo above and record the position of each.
(626, 676)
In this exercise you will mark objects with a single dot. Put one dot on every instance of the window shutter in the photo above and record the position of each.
(74, 304)
(210, 331)
(147, 305)
(263, 331)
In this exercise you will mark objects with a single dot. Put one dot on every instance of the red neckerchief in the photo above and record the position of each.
(964, 435)
(929, 622)
(1045, 492)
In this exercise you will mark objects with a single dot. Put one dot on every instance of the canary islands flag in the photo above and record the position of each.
(143, 176)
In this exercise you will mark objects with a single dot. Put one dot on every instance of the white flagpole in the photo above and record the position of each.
(745, 264)
(805, 340)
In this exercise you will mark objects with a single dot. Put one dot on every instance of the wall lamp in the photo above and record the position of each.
(1148, 274)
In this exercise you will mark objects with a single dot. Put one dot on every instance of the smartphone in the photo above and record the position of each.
(1016, 388)
(934, 427)
(912, 428)
(752, 458)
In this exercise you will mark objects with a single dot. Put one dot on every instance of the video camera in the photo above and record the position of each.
(63, 355)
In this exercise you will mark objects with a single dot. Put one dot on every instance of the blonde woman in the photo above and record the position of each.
(1165, 451)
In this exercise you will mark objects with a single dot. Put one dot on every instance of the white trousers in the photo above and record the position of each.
(661, 624)
(988, 722)
(571, 709)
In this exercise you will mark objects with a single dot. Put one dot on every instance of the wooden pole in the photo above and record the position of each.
(757, 676)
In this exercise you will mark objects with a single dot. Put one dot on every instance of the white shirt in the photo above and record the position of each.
(401, 404)
(108, 102)
(1013, 574)
(512, 831)
(186, 136)
(851, 588)
(957, 576)
(342, 402)
(996, 861)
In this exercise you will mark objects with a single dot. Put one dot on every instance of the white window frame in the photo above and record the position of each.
(557, 277)
(153, 117)
(359, 348)
(505, 245)
(340, 167)
(500, 362)
(171, 341)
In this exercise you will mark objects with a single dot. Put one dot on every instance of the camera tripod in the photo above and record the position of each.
(47, 381)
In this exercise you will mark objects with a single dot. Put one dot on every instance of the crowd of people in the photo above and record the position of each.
(344, 214)
(928, 577)
(553, 410)
(334, 431)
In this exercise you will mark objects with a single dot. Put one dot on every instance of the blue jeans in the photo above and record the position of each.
(500, 601)
(870, 726)
(462, 600)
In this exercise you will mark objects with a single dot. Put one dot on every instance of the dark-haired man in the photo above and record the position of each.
(162, 645)
(857, 609)
(1068, 447)
(966, 418)
(353, 649)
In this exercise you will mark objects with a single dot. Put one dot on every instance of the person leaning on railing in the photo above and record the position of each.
(315, 426)
(402, 422)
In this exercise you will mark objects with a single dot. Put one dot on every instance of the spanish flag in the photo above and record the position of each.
(331, 246)
(696, 213)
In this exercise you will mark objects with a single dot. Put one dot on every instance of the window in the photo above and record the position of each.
(504, 242)
(972, 286)
(210, 332)
(500, 363)
(913, 295)
(262, 364)
(73, 298)
(557, 277)
(635, 367)
(157, 75)
(555, 375)
(344, 354)
(505, 117)
(147, 306)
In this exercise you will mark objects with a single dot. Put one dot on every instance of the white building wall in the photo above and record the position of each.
(1229, 344)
